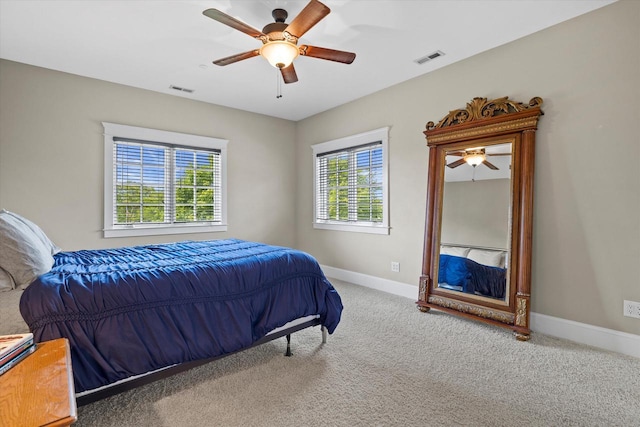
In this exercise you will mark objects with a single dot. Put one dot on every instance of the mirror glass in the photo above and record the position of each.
(476, 221)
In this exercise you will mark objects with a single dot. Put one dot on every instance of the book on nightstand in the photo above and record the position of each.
(14, 348)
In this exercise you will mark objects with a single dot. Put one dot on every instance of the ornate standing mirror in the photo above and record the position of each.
(478, 231)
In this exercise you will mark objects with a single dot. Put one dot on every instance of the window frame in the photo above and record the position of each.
(378, 135)
(113, 130)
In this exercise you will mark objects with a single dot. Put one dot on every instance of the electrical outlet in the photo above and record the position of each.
(395, 266)
(632, 309)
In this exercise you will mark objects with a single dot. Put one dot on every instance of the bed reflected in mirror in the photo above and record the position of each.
(476, 221)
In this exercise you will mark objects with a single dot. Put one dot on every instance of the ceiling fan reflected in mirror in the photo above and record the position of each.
(474, 157)
(280, 40)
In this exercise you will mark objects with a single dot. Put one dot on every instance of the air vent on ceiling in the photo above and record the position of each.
(181, 89)
(429, 57)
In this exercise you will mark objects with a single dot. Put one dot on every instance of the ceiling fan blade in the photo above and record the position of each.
(456, 163)
(237, 57)
(490, 165)
(307, 18)
(456, 153)
(223, 18)
(329, 54)
(289, 74)
(499, 154)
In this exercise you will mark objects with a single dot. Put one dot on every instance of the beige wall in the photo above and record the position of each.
(476, 213)
(51, 155)
(586, 257)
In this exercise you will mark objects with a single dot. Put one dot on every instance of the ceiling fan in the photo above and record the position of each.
(280, 40)
(474, 157)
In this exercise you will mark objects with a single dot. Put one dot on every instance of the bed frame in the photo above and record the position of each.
(91, 396)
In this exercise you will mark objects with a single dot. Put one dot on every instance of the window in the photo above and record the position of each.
(159, 182)
(351, 183)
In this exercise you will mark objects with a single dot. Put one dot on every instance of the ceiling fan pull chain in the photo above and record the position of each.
(278, 84)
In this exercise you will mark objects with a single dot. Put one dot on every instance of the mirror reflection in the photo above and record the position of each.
(476, 221)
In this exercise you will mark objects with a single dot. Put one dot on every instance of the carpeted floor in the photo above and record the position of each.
(388, 364)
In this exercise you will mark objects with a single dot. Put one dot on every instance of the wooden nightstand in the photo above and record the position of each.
(39, 391)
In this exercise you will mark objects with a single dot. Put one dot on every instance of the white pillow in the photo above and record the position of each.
(6, 282)
(22, 253)
(36, 230)
(454, 250)
(486, 257)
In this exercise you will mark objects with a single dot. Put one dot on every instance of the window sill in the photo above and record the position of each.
(354, 228)
(159, 230)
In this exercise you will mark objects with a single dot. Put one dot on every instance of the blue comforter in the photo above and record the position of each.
(472, 277)
(131, 310)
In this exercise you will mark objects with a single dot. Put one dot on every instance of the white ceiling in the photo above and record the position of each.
(152, 44)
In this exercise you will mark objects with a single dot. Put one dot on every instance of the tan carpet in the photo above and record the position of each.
(388, 364)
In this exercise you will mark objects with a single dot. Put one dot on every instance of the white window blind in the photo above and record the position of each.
(162, 184)
(351, 183)
(197, 185)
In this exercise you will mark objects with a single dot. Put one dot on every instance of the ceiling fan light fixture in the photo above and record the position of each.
(474, 159)
(279, 53)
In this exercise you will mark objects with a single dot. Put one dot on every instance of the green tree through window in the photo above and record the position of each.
(350, 185)
(143, 187)
(195, 187)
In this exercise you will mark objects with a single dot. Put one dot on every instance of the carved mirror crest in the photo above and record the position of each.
(478, 230)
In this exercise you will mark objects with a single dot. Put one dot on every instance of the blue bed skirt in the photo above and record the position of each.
(132, 310)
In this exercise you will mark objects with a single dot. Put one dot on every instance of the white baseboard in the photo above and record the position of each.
(607, 339)
(583, 333)
(385, 285)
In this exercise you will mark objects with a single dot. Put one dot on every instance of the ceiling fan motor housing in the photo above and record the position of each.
(274, 30)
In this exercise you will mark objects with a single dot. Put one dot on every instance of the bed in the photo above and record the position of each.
(135, 314)
(473, 270)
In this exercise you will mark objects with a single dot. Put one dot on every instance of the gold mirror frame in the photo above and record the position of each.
(481, 121)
